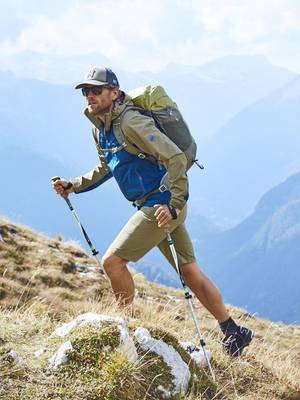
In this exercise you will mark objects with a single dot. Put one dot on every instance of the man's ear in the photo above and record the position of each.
(115, 93)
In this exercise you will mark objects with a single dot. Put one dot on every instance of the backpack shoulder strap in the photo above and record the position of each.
(121, 138)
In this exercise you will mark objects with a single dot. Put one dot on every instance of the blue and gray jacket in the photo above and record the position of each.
(136, 177)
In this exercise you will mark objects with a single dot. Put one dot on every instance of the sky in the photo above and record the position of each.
(58, 40)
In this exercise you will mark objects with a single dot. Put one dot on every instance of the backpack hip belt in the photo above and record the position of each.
(138, 203)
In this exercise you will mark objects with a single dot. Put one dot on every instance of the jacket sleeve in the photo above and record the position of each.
(141, 130)
(94, 178)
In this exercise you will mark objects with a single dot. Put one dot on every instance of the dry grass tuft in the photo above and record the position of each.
(43, 284)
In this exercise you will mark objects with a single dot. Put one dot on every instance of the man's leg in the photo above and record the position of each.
(235, 337)
(120, 278)
(204, 289)
(138, 236)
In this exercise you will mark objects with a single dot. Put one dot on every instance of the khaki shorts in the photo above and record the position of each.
(141, 234)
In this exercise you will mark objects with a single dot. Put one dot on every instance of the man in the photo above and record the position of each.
(140, 179)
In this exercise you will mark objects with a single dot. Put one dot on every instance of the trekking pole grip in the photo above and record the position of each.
(56, 178)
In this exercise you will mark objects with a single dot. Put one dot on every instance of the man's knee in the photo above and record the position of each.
(113, 265)
(191, 271)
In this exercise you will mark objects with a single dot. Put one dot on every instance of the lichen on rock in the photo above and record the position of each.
(125, 343)
(113, 362)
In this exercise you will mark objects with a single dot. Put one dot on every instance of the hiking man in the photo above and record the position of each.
(157, 210)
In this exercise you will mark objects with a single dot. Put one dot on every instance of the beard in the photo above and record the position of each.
(96, 109)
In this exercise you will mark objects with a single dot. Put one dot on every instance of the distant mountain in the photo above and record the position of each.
(256, 150)
(211, 94)
(49, 115)
(158, 273)
(257, 262)
(47, 119)
(43, 133)
(44, 118)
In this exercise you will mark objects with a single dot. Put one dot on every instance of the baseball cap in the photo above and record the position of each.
(99, 76)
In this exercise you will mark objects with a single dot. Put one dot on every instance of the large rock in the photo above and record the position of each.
(104, 355)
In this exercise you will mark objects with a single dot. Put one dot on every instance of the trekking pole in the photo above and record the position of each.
(188, 296)
(88, 240)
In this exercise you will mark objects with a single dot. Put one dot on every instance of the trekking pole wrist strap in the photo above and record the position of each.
(173, 211)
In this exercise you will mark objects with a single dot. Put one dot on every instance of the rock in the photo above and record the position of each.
(179, 368)
(39, 352)
(166, 394)
(142, 363)
(15, 356)
(196, 353)
(126, 343)
(60, 357)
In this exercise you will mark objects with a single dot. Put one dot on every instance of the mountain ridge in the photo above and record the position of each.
(265, 244)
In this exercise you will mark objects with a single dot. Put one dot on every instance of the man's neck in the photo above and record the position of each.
(103, 115)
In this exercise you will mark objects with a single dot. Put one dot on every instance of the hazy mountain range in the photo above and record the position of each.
(243, 112)
(48, 120)
(257, 263)
(256, 150)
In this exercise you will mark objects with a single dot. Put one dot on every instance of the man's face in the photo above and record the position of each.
(99, 104)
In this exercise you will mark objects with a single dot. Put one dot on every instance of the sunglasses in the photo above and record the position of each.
(96, 90)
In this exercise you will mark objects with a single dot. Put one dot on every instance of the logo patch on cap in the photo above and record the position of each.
(91, 73)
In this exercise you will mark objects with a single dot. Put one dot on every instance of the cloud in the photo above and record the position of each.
(135, 36)
(88, 27)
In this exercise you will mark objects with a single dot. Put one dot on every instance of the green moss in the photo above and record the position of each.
(95, 365)
(154, 371)
(92, 345)
(200, 382)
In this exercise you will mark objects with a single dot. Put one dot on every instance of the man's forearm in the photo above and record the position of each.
(91, 179)
(178, 181)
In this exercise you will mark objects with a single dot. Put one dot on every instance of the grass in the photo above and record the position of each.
(41, 289)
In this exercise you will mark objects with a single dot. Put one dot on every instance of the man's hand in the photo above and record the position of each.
(62, 186)
(163, 215)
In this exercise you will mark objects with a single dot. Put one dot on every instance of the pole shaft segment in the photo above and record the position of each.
(89, 242)
(188, 296)
(92, 248)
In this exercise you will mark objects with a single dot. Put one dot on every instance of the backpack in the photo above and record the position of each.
(153, 101)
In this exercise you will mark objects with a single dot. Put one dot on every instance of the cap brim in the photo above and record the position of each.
(90, 82)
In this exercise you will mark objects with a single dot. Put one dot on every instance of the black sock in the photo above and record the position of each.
(228, 326)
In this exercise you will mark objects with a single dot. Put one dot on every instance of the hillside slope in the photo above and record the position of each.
(46, 282)
(257, 262)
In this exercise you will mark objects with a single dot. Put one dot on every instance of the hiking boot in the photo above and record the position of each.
(235, 342)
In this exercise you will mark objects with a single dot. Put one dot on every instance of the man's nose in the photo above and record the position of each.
(89, 93)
